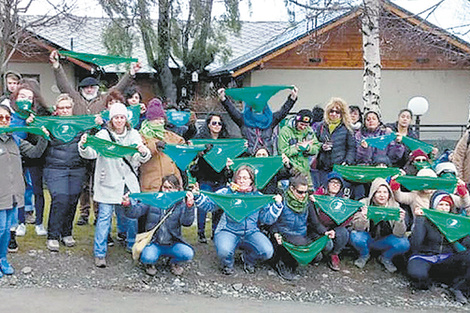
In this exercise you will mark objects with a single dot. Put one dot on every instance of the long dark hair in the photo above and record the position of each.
(173, 180)
(204, 131)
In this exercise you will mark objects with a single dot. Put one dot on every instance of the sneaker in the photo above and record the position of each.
(5, 267)
(82, 220)
(176, 269)
(100, 262)
(110, 241)
(387, 264)
(459, 297)
(68, 241)
(121, 236)
(227, 270)
(12, 245)
(202, 238)
(29, 218)
(21, 230)
(151, 270)
(334, 262)
(361, 261)
(283, 271)
(40, 230)
(52, 245)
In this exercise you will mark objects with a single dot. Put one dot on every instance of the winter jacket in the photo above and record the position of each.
(113, 175)
(461, 158)
(289, 136)
(169, 232)
(367, 156)
(400, 161)
(343, 150)
(12, 181)
(428, 240)
(64, 155)
(81, 105)
(381, 229)
(267, 215)
(160, 164)
(323, 218)
(258, 137)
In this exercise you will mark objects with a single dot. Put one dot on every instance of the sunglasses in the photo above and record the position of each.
(5, 117)
(301, 192)
(335, 112)
(215, 123)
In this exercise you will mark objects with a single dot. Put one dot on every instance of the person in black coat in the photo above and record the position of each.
(167, 239)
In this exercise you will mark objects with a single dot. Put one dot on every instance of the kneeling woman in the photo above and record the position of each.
(167, 239)
(245, 234)
(388, 237)
(433, 257)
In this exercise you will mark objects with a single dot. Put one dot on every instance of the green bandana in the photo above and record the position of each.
(452, 226)
(149, 130)
(381, 142)
(421, 165)
(182, 155)
(108, 148)
(338, 209)
(424, 183)
(162, 200)
(255, 97)
(305, 254)
(239, 206)
(365, 174)
(380, 213)
(414, 144)
(295, 204)
(27, 129)
(265, 168)
(133, 114)
(24, 108)
(178, 118)
(65, 128)
(100, 60)
(221, 150)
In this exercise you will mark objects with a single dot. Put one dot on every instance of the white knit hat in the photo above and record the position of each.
(446, 167)
(117, 109)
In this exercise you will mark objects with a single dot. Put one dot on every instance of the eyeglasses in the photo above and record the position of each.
(215, 123)
(5, 117)
(301, 192)
(335, 112)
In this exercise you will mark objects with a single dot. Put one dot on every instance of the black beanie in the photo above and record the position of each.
(305, 116)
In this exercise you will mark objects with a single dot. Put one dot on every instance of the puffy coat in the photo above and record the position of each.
(61, 154)
(169, 232)
(461, 158)
(368, 155)
(401, 161)
(343, 150)
(258, 137)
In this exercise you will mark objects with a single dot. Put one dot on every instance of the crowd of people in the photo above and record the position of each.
(316, 148)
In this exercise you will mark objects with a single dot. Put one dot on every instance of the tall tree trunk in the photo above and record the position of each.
(371, 54)
(163, 38)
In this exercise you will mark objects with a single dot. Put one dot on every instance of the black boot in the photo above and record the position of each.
(12, 245)
(202, 237)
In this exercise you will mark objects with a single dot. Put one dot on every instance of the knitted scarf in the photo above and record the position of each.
(333, 124)
(296, 205)
(149, 130)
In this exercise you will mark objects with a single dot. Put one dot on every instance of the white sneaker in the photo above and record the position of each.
(52, 245)
(21, 230)
(40, 231)
(68, 241)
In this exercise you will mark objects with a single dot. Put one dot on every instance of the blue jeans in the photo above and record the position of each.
(256, 245)
(178, 252)
(28, 193)
(390, 246)
(103, 226)
(7, 219)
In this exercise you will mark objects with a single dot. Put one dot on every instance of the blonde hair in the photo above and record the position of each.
(64, 97)
(343, 107)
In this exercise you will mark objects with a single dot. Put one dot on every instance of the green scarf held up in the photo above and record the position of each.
(221, 150)
(255, 97)
(296, 205)
(133, 114)
(149, 130)
(381, 142)
(27, 129)
(182, 155)
(162, 200)
(178, 118)
(98, 59)
(110, 149)
(452, 226)
(239, 206)
(426, 183)
(414, 144)
(305, 254)
(380, 213)
(265, 168)
(24, 108)
(365, 174)
(338, 209)
(65, 128)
